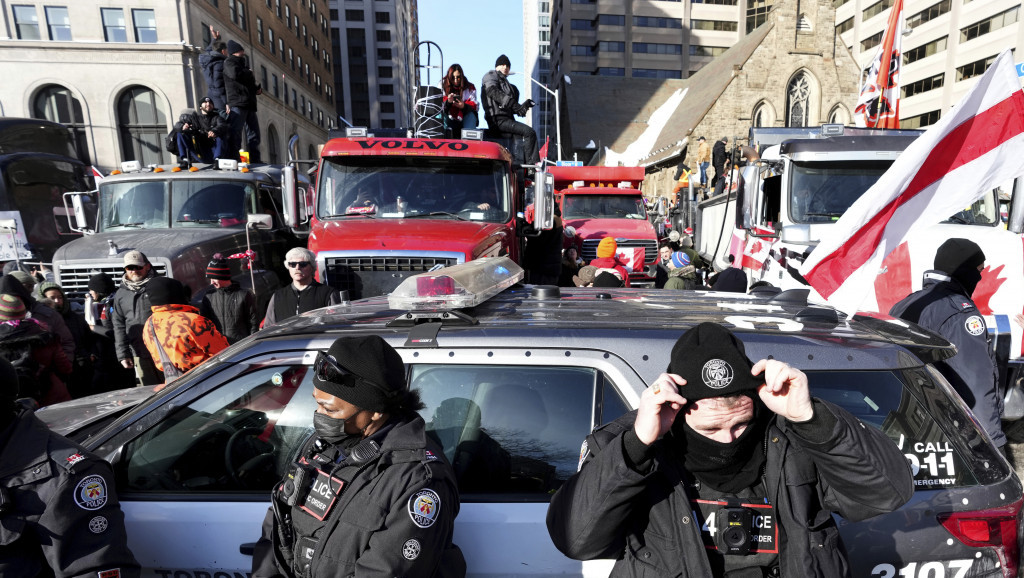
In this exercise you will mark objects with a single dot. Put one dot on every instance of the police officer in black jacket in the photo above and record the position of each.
(944, 305)
(59, 514)
(304, 293)
(724, 473)
(370, 494)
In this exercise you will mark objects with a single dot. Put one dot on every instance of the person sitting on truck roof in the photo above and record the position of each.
(460, 101)
(501, 102)
(304, 293)
(201, 134)
(607, 259)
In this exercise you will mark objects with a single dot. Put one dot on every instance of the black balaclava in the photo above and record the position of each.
(714, 363)
(959, 258)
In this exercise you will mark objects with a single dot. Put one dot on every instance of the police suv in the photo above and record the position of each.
(514, 377)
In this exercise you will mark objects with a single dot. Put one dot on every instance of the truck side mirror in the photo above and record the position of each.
(544, 201)
(77, 208)
(260, 221)
(290, 196)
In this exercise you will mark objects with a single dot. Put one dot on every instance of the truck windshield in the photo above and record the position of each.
(394, 187)
(159, 204)
(822, 192)
(603, 207)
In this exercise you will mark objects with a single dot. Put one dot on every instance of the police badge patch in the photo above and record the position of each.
(974, 325)
(424, 506)
(91, 493)
(98, 525)
(411, 549)
(717, 374)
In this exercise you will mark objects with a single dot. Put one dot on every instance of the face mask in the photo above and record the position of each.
(330, 429)
(969, 278)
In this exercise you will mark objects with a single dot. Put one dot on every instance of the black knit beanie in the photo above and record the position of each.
(165, 291)
(956, 254)
(713, 362)
(219, 268)
(102, 284)
(378, 370)
(234, 47)
(502, 60)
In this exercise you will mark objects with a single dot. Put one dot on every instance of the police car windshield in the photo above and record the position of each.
(159, 204)
(443, 188)
(587, 206)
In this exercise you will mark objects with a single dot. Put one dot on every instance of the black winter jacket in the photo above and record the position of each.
(287, 302)
(394, 516)
(240, 86)
(212, 63)
(943, 306)
(130, 311)
(718, 155)
(610, 510)
(232, 310)
(204, 123)
(48, 315)
(500, 97)
(65, 515)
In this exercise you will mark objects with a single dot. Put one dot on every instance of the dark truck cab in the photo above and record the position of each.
(179, 220)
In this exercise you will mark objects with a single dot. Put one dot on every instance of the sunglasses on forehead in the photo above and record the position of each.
(326, 368)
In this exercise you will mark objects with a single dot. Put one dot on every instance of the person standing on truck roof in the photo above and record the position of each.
(944, 305)
(177, 337)
(718, 158)
(130, 310)
(304, 293)
(231, 307)
(212, 63)
(607, 259)
(738, 446)
(703, 160)
(21, 284)
(241, 90)
(370, 494)
(61, 516)
(501, 102)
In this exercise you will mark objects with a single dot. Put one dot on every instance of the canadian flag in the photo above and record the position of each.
(631, 257)
(976, 145)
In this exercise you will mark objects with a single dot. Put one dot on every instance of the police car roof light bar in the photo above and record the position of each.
(458, 286)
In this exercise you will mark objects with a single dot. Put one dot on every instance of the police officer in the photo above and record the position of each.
(944, 305)
(59, 514)
(721, 472)
(370, 493)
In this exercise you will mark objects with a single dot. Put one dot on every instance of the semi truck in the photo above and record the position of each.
(603, 202)
(390, 207)
(180, 218)
(799, 188)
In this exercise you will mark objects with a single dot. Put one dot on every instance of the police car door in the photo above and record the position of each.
(511, 422)
(195, 474)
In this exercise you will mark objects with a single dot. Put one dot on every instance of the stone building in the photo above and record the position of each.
(119, 72)
(787, 72)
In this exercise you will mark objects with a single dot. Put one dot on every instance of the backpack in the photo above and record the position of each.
(30, 381)
(171, 142)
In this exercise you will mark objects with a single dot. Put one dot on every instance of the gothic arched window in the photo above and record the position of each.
(798, 101)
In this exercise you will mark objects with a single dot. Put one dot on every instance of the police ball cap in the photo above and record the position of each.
(502, 60)
(378, 366)
(713, 362)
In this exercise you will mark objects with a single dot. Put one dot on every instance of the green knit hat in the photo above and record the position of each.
(45, 286)
(11, 307)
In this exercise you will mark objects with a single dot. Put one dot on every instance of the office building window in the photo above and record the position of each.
(656, 73)
(386, 89)
(270, 38)
(581, 50)
(930, 13)
(277, 88)
(383, 36)
(578, 24)
(717, 25)
(142, 125)
(383, 54)
(934, 47)
(844, 25)
(871, 41)
(609, 46)
(657, 22)
(989, 24)
(611, 71)
(58, 22)
(145, 25)
(263, 76)
(655, 48)
(877, 8)
(113, 26)
(976, 68)
(384, 72)
(611, 20)
(56, 103)
(715, 2)
(923, 85)
(387, 107)
(696, 50)
(921, 120)
(291, 58)
(355, 15)
(26, 21)
(259, 30)
(382, 17)
(280, 48)
(277, 7)
(287, 17)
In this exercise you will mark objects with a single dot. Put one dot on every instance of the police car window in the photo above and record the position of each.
(881, 399)
(240, 437)
(612, 405)
(508, 429)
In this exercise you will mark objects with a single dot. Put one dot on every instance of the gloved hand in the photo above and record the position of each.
(529, 103)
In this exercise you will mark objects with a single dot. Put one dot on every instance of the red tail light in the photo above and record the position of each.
(994, 528)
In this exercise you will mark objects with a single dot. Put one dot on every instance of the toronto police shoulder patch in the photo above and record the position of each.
(91, 493)
(424, 507)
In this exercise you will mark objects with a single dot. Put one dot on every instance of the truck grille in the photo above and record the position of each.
(74, 279)
(373, 276)
(650, 248)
